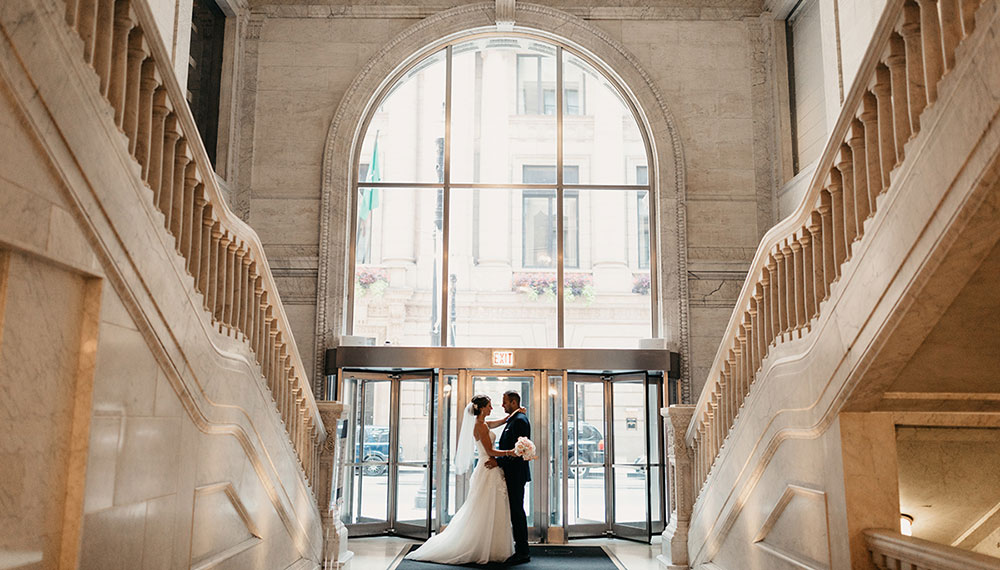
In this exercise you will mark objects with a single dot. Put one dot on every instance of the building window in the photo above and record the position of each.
(806, 84)
(456, 240)
(208, 27)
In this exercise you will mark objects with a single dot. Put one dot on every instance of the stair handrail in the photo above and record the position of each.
(223, 254)
(891, 549)
(800, 257)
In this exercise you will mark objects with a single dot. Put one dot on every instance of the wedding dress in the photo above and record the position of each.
(480, 531)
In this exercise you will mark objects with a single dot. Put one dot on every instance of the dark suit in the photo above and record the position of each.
(517, 473)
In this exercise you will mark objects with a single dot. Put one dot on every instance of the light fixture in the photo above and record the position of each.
(905, 525)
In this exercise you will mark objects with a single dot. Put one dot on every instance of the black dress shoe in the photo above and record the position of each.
(517, 559)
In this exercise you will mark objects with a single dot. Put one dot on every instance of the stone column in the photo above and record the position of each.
(329, 486)
(674, 549)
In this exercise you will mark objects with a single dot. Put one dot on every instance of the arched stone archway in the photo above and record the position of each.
(667, 175)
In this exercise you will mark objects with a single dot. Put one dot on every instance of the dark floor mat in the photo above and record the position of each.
(543, 557)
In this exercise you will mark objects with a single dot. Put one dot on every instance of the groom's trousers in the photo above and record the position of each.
(518, 521)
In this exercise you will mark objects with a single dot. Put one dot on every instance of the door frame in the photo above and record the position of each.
(610, 527)
(391, 524)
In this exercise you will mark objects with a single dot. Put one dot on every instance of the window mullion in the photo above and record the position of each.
(446, 200)
(560, 241)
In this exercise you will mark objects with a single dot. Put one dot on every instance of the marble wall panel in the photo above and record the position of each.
(44, 327)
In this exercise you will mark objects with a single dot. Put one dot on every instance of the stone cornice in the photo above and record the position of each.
(409, 11)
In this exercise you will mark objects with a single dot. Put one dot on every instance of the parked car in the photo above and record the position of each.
(375, 449)
(590, 443)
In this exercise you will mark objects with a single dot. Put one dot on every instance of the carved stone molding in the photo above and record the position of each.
(674, 551)
(505, 15)
(667, 172)
(330, 484)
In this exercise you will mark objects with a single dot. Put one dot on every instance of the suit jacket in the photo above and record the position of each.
(515, 469)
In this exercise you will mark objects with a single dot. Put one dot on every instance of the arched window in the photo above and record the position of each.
(467, 160)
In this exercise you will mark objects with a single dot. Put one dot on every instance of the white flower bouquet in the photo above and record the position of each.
(525, 449)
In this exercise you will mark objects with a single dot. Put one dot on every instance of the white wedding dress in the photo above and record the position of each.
(480, 531)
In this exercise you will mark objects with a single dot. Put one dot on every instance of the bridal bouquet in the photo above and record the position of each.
(525, 449)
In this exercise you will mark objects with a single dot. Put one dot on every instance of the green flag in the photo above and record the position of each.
(369, 196)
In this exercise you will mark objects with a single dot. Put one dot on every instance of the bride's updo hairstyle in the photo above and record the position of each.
(479, 402)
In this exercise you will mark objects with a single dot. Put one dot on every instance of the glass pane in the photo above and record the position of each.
(411, 495)
(608, 298)
(586, 498)
(600, 134)
(494, 387)
(630, 496)
(451, 403)
(584, 434)
(414, 415)
(629, 423)
(397, 275)
(503, 109)
(496, 300)
(405, 139)
(371, 477)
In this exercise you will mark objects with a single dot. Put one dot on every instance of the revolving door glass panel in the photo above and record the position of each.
(495, 385)
(389, 471)
(614, 477)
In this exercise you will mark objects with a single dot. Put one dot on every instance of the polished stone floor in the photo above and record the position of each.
(384, 552)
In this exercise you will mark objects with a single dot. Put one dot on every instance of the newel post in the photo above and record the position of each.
(330, 485)
(674, 549)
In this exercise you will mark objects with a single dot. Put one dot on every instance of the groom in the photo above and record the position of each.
(517, 473)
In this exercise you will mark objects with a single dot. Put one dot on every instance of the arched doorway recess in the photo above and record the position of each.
(665, 170)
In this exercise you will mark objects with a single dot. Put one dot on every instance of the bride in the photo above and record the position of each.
(480, 531)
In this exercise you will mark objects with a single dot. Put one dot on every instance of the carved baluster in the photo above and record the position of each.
(211, 260)
(197, 232)
(148, 82)
(72, 11)
(816, 247)
(258, 294)
(166, 198)
(788, 287)
(969, 8)
(779, 288)
(238, 288)
(757, 316)
(187, 211)
(768, 326)
(103, 42)
(119, 59)
(859, 168)
(837, 218)
(86, 27)
(137, 54)
(227, 310)
(772, 268)
(916, 86)
(798, 290)
(205, 249)
(843, 177)
(808, 271)
(153, 171)
(825, 210)
(182, 157)
(246, 294)
(253, 303)
(897, 81)
(930, 38)
(873, 163)
(269, 356)
(886, 137)
(747, 341)
(729, 392)
(223, 270)
(951, 31)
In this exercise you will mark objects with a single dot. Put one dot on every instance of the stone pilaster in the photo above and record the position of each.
(241, 178)
(330, 485)
(674, 549)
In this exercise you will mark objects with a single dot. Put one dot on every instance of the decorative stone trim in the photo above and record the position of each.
(667, 172)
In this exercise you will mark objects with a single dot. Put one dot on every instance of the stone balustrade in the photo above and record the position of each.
(220, 252)
(800, 259)
(891, 550)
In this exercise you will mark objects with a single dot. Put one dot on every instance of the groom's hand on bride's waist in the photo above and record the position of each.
(491, 463)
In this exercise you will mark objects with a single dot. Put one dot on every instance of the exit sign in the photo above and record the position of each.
(503, 358)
